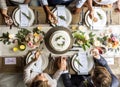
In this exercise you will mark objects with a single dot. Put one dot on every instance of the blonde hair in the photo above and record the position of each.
(101, 77)
(40, 83)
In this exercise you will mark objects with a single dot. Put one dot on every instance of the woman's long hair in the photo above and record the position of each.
(40, 84)
(101, 77)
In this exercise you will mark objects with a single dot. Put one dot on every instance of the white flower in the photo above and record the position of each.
(86, 37)
(96, 43)
(11, 36)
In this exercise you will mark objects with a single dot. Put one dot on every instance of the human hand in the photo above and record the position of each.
(37, 54)
(91, 14)
(62, 64)
(95, 53)
(51, 18)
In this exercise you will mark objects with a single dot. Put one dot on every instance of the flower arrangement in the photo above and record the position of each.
(82, 39)
(24, 38)
(110, 40)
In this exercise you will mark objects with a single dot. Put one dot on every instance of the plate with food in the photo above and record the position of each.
(16, 16)
(42, 60)
(67, 18)
(99, 19)
(81, 63)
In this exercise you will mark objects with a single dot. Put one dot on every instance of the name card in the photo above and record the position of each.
(10, 61)
(110, 60)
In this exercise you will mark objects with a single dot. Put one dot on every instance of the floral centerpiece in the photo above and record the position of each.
(83, 39)
(110, 40)
(23, 38)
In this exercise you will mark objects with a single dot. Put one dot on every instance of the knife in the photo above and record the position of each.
(82, 16)
(107, 18)
(110, 17)
(80, 19)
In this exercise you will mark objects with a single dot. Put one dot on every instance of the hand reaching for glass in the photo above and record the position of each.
(95, 53)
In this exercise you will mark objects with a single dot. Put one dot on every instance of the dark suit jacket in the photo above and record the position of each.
(103, 62)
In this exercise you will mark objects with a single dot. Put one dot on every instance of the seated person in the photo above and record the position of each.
(100, 61)
(102, 75)
(4, 9)
(34, 77)
(50, 16)
(118, 6)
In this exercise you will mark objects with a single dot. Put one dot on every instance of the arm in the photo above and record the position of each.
(27, 1)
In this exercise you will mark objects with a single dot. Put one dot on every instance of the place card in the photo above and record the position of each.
(110, 60)
(24, 15)
(61, 15)
(10, 61)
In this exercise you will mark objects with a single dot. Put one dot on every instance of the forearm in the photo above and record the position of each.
(80, 3)
(46, 8)
(90, 4)
(27, 1)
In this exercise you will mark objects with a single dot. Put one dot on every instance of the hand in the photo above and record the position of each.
(7, 18)
(51, 18)
(91, 14)
(95, 53)
(76, 10)
(62, 63)
(37, 54)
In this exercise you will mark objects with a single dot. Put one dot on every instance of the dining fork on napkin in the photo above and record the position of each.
(24, 15)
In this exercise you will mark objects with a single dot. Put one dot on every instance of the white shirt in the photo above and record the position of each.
(79, 3)
(34, 68)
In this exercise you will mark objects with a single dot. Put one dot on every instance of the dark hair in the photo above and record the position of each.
(101, 77)
(40, 83)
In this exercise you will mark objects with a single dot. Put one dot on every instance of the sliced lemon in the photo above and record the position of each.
(15, 49)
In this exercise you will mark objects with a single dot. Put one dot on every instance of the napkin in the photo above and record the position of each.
(61, 14)
(24, 15)
(84, 62)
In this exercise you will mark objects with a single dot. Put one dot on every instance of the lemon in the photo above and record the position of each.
(22, 47)
(15, 49)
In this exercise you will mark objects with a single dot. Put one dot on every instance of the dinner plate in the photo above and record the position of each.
(101, 18)
(68, 15)
(16, 16)
(76, 66)
(105, 2)
(42, 58)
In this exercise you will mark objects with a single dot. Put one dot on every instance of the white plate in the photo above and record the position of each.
(105, 2)
(75, 64)
(65, 38)
(16, 16)
(68, 15)
(42, 58)
(100, 23)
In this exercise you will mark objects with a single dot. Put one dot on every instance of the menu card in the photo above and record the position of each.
(84, 62)
(24, 15)
(61, 14)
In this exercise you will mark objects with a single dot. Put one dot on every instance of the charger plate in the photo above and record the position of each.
(16, 16)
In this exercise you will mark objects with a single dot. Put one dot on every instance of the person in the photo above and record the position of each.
(100, 61)
(118, 6)
(50, 16)
(34, 76)
(101, 75)
(4, 8)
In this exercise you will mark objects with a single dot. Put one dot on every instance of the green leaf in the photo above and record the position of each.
(78, 62)
(84, 47)
(26, 16)
(100, 16)
(62, 17)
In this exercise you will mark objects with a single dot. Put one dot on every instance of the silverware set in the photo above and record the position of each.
(36, 21)
(109, 17)
(81, 19)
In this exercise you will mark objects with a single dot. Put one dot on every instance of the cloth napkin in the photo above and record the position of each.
(61, 13)
(82, 58)
(24, 13)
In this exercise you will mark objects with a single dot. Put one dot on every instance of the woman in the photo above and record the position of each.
(4, 9)
(100, 61)
(34, 77)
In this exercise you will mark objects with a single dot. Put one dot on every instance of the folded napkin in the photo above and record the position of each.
(24, 15)
(82, 58)
(61, 14)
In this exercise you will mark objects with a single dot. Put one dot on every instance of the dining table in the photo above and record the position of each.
(113, 21)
